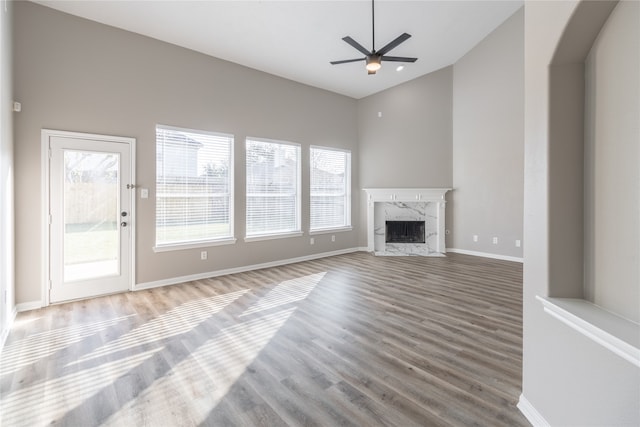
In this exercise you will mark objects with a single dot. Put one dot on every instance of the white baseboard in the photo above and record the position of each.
(242, 269)
(26, 306)
(5, 333)
(534, 417)
(485, 255)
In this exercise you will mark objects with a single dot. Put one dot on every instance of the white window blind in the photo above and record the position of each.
(330, 188)
(273, 188)
(194, 188)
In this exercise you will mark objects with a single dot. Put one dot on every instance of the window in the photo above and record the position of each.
(273, 188)
(194, 186)
(330, 189)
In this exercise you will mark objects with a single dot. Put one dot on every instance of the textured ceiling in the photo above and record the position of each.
(297, 39)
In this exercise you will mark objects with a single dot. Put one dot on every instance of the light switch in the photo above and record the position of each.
(144, 193)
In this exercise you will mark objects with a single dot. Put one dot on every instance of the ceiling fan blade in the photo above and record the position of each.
(357, 45)
(398, 59)
(344, 61)
(401, 38)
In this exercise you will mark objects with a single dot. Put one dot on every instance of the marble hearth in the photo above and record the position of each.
(406, 204)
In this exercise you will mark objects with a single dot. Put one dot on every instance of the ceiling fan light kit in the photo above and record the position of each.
(373, 63)
(374, 58)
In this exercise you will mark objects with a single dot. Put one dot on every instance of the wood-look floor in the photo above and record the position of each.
(351, 340)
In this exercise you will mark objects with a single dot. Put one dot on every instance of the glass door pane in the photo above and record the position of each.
(91, 215)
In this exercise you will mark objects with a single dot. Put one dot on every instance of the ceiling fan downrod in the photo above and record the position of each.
(373, 27)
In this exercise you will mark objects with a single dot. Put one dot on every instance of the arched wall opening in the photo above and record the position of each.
(566, 148)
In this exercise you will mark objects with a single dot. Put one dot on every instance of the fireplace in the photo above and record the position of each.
(406, 221)
(404, 232)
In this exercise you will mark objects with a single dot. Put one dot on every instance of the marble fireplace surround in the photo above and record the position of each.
(406, 204)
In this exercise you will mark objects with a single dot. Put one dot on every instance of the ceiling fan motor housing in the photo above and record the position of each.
(373, 62)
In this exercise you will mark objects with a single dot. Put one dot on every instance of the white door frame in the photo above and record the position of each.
(47, 134)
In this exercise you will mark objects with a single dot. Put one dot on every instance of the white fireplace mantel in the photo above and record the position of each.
(435, 196)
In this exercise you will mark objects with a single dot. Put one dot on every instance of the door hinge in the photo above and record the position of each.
(131, 186)
(50, 284)
(50, 219)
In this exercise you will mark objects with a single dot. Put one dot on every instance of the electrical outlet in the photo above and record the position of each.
(203, 255)
(518, 243)
(475, 237)
(312, 241)
(495, 240)
(333, 238)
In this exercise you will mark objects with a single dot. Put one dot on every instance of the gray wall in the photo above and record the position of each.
(410, 145)
(568, 378)
(612, 178)
(77, 75)
(488, 142)
(6, 172)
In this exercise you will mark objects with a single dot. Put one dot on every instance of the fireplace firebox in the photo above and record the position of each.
(405, 232)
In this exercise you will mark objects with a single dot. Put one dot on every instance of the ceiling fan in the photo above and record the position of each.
(374, 57)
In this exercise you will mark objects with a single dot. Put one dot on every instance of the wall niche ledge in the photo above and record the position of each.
(617, 334)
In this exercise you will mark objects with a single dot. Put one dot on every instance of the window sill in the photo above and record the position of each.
(195, 245)
(273, 236)
(619, 335)
(329, 230)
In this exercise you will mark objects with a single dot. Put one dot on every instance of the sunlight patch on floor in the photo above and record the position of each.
(173, 357)
(176, 321)
(207, 374)
(55, 397)
(37, 346)
(286, 292)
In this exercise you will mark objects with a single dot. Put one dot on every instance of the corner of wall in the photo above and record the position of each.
(488, 144)
(7, 278)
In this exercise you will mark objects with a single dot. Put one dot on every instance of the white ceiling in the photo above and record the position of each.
(297, 39)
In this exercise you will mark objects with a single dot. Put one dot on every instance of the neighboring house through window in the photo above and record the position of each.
(194, 187)
(330, 192)
(273, 189)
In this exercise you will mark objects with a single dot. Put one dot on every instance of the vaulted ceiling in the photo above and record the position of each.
(297, 39)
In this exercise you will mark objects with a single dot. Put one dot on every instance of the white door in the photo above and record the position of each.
(90, 206)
